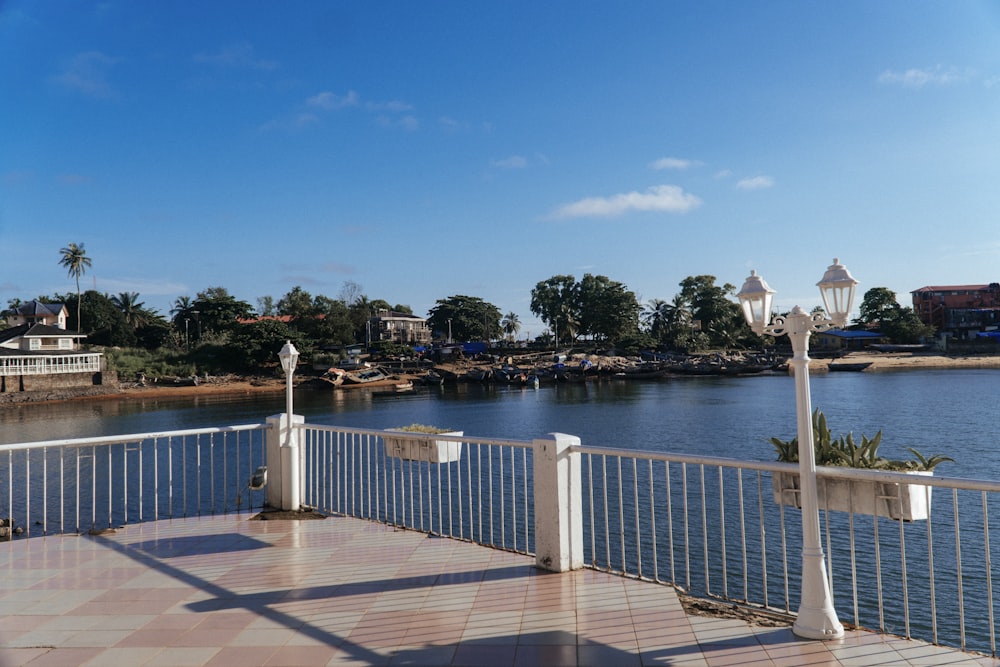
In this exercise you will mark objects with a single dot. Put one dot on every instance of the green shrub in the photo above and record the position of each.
(844, 451)
(421, 428)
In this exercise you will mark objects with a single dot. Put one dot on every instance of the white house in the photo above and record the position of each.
(38, 345)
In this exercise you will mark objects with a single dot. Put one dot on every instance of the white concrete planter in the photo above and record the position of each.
(403, 445)
(909, 502)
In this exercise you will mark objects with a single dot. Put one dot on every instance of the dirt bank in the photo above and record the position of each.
(235, 386)
(896, 361)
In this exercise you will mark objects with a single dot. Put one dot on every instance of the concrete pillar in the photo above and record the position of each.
(558, 504)
(284, 463)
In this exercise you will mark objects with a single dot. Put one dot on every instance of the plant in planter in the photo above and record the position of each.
(422, 448)
(897, 501)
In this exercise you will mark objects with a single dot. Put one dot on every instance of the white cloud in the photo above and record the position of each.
(87, 74)
(332, 101)
(512, 162)
(918, 78)
(236, 55)
(297, 121)
(392, 106)
(387, 114)
(673, 163)
(723, 173)
(668, 198)
(755, 183)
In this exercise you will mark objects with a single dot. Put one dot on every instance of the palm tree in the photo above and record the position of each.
(75, 259)
(183, 311)
(511, 324)
(128, 302)
(657, 315)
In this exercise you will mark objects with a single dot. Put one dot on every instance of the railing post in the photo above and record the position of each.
(284, 464)
(558, 503)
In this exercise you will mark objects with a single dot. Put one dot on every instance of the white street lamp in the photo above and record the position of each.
(289, 357)
(290, 464)
(817, 619)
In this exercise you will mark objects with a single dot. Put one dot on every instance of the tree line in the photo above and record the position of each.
(221, 332)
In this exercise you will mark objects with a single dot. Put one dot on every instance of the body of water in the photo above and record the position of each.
(952, 412)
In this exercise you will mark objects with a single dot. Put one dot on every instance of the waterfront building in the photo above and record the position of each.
(37, 352)
(960, 311)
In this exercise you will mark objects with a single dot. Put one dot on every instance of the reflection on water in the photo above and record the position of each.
(949, 412)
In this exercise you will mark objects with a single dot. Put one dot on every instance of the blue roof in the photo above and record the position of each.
(841, 333)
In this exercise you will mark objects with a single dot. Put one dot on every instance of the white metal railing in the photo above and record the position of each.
(712, 527)
(46, 364)
(90, 484)
(485, 495)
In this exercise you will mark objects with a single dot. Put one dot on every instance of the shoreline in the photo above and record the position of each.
(878, 362)
(898, 361)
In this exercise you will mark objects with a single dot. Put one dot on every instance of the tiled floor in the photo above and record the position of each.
(231, 591)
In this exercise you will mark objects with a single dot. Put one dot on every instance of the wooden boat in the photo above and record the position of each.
(396, 389)
(850, 367)
(366, 376)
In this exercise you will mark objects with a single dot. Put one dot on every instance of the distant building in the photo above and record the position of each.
(843, 339)
(36, 312)
(403, 328)
(38, 353)
(959, 310)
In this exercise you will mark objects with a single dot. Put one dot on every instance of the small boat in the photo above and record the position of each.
(850, 367)
(433, 377)
(334, 376)
(366, 376)
(396, 389)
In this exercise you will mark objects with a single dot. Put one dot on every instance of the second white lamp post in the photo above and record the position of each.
(817, 619)
(290, 466)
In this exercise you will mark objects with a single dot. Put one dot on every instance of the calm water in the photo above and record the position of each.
(951, 412)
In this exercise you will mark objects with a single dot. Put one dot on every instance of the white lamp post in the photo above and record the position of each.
(289, 357)
(817, 619)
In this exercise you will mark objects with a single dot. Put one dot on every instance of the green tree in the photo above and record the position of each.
(680, 325)
(74, 259)
(555, 302)
(131, 308)
(266, 306)
(879, 308)
(904, 326)
(878, 303)
(297, 304)
(656, 316)
(715, 314)
(103, 321)
(217, 311)
(254, 345)
(470, 318)
(511, 324)
(608, 310)
(335, 327)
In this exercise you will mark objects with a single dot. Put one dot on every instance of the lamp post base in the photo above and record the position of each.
(818, 624)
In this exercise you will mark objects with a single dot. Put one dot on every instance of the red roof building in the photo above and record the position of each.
(960, 309)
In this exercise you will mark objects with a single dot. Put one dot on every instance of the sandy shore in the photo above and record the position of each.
(878, 362)
(232, 387)
(897, 361)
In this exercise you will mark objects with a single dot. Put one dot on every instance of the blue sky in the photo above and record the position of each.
(427, 149)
